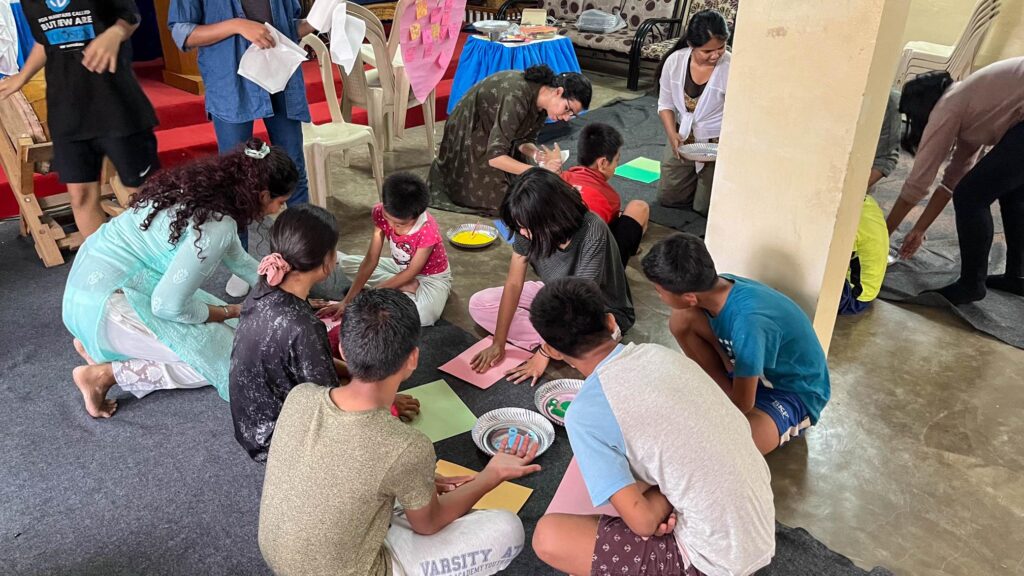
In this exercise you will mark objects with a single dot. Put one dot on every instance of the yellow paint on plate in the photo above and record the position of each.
(470, 238)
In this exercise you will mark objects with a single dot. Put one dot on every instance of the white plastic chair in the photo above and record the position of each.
(957, 59)
(319, 141)
(384, 92)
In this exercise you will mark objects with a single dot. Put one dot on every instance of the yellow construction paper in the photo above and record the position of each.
(507, 496)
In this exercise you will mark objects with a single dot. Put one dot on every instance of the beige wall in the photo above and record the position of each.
(807, 91)
(942, 21)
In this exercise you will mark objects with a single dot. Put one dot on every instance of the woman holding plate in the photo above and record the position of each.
(489, 137)
(693, 78)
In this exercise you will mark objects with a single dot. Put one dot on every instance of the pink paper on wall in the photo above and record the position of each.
(425, 71)
(461, 369)
(572, 496)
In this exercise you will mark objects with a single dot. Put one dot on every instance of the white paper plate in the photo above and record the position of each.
(484, 230)
(492, 430)
(553, 398)
(699, 151)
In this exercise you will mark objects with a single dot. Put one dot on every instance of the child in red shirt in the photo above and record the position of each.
(598, 153)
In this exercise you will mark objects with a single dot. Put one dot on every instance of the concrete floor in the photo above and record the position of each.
(917, 463)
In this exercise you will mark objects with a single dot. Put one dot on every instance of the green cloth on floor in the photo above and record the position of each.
(442, 413)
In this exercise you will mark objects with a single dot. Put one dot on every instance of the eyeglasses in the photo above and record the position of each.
(569, 110)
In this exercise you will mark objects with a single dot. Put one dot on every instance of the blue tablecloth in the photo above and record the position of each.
(480, 58)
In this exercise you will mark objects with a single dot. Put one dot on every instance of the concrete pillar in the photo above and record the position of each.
(803, 110)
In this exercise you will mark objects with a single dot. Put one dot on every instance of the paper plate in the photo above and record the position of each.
(553, 398)
(462, 236)
(493, 430)
(699, 151)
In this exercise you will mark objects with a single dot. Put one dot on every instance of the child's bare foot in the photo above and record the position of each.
(80, 348)
(93, 382)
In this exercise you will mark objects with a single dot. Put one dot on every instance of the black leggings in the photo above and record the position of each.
(999, 176)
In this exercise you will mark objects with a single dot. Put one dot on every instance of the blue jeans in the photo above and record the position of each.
(283, 131)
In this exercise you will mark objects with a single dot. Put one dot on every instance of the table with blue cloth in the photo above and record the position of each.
(480, 58)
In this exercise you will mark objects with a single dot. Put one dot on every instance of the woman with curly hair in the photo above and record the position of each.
(132, 299)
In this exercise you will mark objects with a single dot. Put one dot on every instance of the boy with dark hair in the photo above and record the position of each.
(96, 106)
(756, 343)
(339, 462)
(678, 514)
(598, 153)
(419, 263)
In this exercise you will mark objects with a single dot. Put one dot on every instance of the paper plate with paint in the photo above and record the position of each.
(472, 236)
(553, 398)
(699, 151)
(499, 428)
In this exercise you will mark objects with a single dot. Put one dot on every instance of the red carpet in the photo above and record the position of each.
(185, 133)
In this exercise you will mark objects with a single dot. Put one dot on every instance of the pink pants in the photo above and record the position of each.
(483, 308)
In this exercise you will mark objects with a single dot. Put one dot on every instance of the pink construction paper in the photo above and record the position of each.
(572, 496)
(460, 365)
(435, 17)
(425, 75)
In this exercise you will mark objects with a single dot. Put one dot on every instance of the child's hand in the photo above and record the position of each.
(552, 158)
(531, 369)
(445, 484)
(254, 32)
(408, 407)
(514, 461)
(100, 55)
(487, 358)
(332, 312)
(666, 527)
(11, 85)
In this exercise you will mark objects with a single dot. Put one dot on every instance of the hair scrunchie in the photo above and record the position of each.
(274, 267)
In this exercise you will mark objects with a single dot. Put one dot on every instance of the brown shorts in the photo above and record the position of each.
(620, 552)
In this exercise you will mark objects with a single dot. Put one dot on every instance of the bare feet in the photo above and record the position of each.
(80, 348)
(93, 382)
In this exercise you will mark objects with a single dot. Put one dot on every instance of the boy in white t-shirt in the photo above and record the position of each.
(656, 438)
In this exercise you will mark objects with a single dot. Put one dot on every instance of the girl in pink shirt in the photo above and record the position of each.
(418, 265)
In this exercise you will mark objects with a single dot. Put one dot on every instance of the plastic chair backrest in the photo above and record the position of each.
(323, 58)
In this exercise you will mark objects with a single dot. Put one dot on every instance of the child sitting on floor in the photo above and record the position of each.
(756, 343)
(655, 437)
(418, 265)
(339, 462)
(559, 237)
(598, 152)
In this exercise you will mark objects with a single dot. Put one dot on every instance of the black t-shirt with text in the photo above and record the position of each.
(83, 105)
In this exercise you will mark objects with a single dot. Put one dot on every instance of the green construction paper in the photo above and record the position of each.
(645, 164)
(442, 413)
(638, 174)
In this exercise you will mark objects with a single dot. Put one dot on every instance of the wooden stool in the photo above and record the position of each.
(25, 150)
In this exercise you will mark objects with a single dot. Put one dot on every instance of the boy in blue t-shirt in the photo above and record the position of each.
(756, 343)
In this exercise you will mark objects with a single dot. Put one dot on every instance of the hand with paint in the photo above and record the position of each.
(513, 461)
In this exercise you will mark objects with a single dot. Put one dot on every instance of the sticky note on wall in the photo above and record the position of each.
(414, 32)
(421, 8)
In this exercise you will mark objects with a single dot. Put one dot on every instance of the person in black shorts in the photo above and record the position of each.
(95, 104)
(598, 153)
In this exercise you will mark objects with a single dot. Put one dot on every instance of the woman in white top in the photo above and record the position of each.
(693, 78)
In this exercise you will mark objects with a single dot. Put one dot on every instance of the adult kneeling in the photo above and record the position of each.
(489, 137)
(132, 299)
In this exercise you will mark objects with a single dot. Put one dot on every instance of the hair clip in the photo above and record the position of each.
(258, 154)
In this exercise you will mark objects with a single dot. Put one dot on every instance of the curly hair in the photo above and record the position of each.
(219, 186)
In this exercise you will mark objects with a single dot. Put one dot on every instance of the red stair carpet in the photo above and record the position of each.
(185, 133)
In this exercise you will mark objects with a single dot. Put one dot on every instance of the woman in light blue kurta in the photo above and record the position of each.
(132, 299)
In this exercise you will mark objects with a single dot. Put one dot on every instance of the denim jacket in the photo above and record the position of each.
(229, 97)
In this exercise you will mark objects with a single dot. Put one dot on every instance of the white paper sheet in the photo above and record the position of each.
(346, 38)
(320, 16)
(271, 68)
